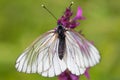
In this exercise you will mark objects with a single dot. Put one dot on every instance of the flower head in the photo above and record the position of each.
(66, 20)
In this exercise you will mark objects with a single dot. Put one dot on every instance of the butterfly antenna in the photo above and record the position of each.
(71, 4)
(49, 11)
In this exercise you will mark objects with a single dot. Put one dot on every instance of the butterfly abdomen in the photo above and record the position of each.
(61, 46)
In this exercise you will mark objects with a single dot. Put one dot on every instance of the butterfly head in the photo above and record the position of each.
(60, 29)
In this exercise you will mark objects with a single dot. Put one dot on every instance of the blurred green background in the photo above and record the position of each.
(22, 21)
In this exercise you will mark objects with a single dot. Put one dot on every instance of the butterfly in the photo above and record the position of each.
(58, 50)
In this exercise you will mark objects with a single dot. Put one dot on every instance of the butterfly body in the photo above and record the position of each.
(61, 35)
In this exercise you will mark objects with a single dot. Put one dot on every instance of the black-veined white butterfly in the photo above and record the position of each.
(58, 50)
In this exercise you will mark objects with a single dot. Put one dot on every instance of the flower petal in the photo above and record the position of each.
(87, 73)
(79, 14)
(74, 77)
(67, 75)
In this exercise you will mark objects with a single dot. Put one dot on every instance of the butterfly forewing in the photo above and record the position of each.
(42, 57)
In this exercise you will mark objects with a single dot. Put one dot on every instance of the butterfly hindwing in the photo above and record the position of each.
(80, 53)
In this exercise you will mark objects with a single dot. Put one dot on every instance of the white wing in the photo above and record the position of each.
(80, 54)
(42, 57)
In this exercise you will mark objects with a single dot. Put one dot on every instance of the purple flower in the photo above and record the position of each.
(66, 20)
(67, 75)
(87, 73)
